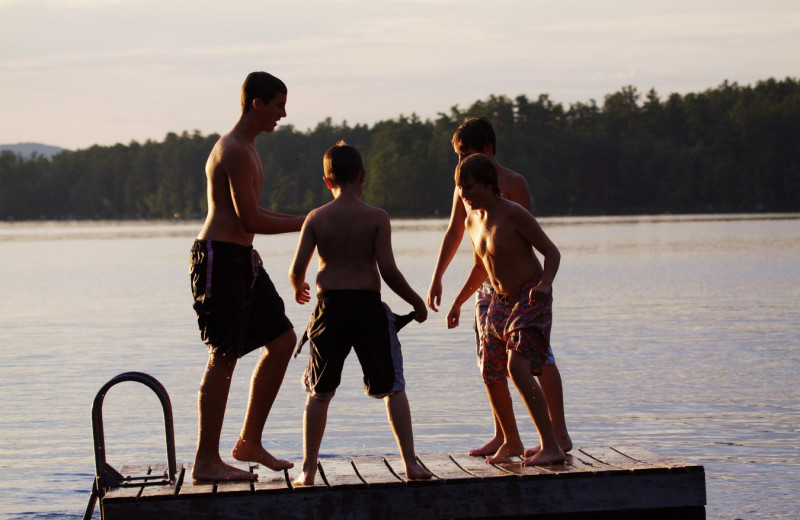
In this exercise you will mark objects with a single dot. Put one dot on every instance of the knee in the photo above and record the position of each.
(518, 368)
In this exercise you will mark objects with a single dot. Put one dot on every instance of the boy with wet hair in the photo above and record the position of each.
(237, 307)
(476, 135)
(353, 243)
(517, 325)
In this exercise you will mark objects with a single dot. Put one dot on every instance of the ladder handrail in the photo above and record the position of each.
(105, 475)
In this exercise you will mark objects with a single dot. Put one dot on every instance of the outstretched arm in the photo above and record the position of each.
(450, 242)
(297, 272)
(389, 271)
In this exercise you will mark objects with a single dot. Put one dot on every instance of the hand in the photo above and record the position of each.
(540, 292)
(303, 295)
(435, 295)
(453, 317)
(420, 312)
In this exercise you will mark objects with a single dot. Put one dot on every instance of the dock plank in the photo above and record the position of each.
(270, 481)
(479, 467)
(339, 472)
(374, 471)
(443, 467)
(617, 459)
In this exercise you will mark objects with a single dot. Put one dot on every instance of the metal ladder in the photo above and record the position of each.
(107, 477)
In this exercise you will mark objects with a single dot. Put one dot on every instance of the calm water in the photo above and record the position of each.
(677, 334)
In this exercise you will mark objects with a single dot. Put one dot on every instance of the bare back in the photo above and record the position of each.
(232, 169)
(347, 234)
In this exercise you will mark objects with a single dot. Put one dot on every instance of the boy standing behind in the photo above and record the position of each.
(353, 241)
(503, 236)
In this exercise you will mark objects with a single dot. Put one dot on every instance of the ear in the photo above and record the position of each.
(487, 151)
(362, 176)
(328, 182)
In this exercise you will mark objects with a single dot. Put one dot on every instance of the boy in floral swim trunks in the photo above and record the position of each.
(503, 236)
(476, 135)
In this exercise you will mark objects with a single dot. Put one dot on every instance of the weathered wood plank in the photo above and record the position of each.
(201, 488)
(164, 489)
(479, 467)
(270, 481)
(374, 471)
(615, 458)
(241, 487)
(340, 472)
(443, 467)
(642, 455)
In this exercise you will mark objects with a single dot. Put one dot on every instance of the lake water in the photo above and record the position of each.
(677, 334)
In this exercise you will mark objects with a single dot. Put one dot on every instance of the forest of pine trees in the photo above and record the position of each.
(729, 149)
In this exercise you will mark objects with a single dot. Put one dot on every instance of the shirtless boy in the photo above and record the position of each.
(476, 135)
(354, 247)
(503, 236)
(237, 307)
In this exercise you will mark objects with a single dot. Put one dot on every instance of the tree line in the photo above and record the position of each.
(728, 149)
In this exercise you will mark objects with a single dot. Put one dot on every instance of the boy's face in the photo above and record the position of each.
(273, 111)
(473, 195)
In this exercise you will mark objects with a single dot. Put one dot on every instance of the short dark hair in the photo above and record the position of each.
(260, 85)
(479, 169)
(475, 133)
(342, 163)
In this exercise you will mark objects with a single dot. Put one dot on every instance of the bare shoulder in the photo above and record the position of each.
(513, 186)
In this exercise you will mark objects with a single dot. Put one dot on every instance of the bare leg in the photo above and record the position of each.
(550, 380)
(520, 369)
(495, 442)
(399, 413)
(264, 386)
(314, 421)
(211, 402)
(503, 410)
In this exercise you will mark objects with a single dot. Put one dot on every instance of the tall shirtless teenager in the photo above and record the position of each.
(237, 307)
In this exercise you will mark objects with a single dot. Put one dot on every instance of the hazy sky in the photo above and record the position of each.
(74, 73)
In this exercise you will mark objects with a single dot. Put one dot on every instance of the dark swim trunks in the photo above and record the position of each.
(359, 319)
(238, 309)
(513, 323)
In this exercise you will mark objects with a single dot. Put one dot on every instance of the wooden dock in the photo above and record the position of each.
(594, 483)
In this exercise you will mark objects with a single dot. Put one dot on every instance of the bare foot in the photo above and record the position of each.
(303, 480)
(542, 458)
(220, 471)
(417, 471)
(256, 453)
(506, 452)
(565, 444)
(487, 449)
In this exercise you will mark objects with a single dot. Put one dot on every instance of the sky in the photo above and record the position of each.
(75, 73)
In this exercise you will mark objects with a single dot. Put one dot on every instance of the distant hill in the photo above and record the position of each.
(27, 150)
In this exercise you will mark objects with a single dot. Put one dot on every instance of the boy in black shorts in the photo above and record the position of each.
(237, 307)
(353, 242)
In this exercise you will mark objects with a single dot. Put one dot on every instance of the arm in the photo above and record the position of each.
(389, 271)
(297, 272)
(254, 219)
(476, 277)
(450, 242)
(535, 235)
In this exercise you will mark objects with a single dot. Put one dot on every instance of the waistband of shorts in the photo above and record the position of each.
(518, 292)
(219, 245)
(348, 293)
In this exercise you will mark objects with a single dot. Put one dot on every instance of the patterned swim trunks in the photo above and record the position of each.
(512, 323)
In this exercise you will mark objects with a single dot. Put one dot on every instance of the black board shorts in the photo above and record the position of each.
(359, 319)
(238, 309)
